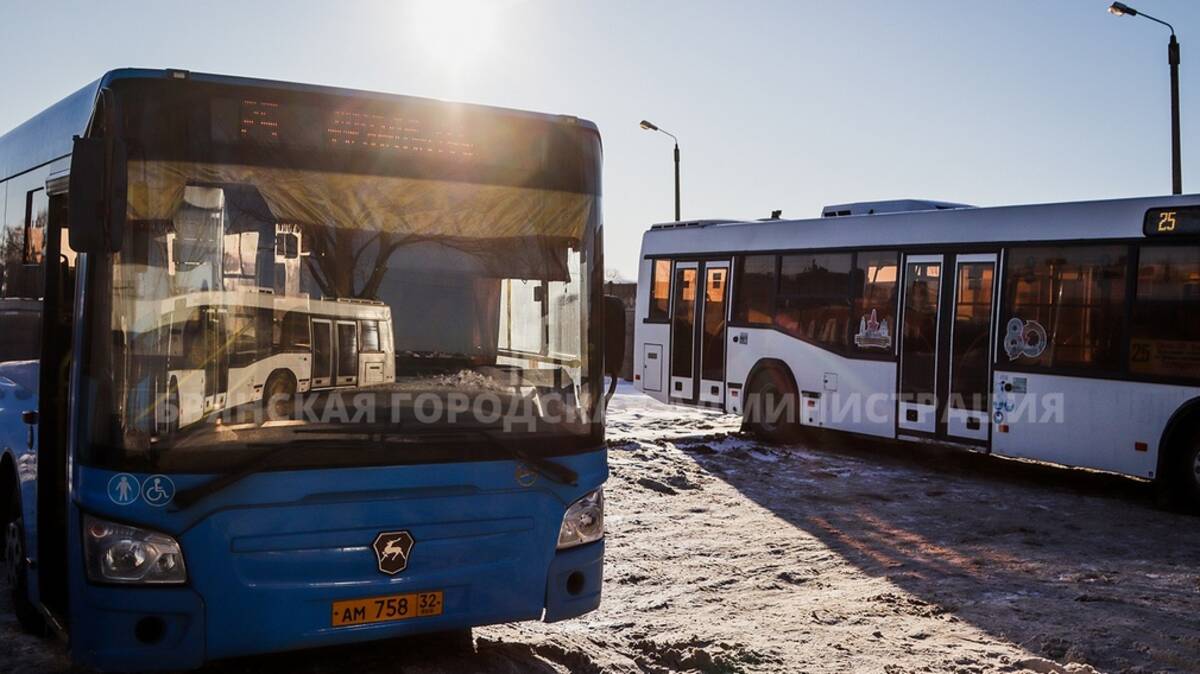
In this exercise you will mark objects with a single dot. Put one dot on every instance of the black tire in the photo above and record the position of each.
(16, 570)
(1183, 472)
(771, 407)
(278, 394)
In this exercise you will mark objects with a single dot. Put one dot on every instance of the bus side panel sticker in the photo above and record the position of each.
(1024, 338)
(873, 333)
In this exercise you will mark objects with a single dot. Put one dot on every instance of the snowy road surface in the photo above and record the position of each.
(725, 556)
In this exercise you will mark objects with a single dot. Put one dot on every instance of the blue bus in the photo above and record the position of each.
(284, 366)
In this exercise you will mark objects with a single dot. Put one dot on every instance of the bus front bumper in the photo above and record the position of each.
(147, 629)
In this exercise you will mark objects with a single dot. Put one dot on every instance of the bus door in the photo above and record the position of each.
(711, 333)
(216, 357)
(917, 403)
(945, 346)
(683, 331)
(967, 406)
(322, 346)
(347, 353)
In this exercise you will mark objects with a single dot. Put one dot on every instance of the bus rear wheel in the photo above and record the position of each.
(1186, 473)
(771, 406)
(16, 570)
(278, 394)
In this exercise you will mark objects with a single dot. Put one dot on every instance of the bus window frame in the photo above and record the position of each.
(845, 351)
(664, 319)
(1003, 249)
(1122, 371)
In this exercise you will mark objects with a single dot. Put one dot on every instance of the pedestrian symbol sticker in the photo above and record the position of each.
(123, 488)
(158, 490)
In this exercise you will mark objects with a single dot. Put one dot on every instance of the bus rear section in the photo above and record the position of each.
(336, 374)
(920, 321)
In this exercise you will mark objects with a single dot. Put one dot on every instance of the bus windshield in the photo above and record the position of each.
(255, 303)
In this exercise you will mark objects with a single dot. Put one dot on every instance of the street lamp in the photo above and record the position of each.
(1121, 9)
(649, 126)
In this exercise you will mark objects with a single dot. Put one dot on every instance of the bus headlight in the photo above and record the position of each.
(584, 521)
(119, 553)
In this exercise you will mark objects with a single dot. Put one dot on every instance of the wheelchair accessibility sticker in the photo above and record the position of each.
(158, 490)
(123, 489)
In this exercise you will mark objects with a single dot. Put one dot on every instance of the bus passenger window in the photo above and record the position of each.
(1165, 331)
(873, 321)
(291, 332)
(1065, 307)
(814, 297)
(370, 335)
(36, 214)
(660, 290)
(754, 290)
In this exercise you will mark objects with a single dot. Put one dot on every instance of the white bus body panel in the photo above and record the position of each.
(190, 384)
(246, 383)
(855, 395)
(1060, 422)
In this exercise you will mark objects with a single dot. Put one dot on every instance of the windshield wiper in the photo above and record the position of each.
(185, 498)
(548, 469)
(551, 470)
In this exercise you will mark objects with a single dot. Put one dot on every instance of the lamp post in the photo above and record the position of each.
(1121, 9)
(649, 126)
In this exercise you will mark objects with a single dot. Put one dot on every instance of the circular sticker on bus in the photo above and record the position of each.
(123, 489)
(158, 490)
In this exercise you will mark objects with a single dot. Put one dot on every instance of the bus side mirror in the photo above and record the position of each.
(96, 197)
(614, 334)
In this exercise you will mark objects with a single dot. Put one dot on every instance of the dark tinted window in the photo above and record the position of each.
(1165, 332)
(972, 334)
(814, 297)
(660, 290)
(1065, 305)
(754, 290)
(875, 286)
(682, 332)
(291, 331)
(22, 231)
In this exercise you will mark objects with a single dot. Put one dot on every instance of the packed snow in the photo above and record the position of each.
(725, 555)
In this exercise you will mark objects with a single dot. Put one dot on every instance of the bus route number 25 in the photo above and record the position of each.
(1166, 221)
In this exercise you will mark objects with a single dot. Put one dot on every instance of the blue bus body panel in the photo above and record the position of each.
(18, 393)
(267, 556)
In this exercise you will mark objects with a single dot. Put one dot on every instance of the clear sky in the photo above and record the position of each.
(778, 105)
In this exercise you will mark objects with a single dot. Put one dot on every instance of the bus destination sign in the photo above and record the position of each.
(1177, 221)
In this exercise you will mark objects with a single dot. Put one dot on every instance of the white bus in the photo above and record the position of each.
(1065, 333)
(230, 348)
(239, 325)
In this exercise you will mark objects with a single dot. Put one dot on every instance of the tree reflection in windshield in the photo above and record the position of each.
(250, 296)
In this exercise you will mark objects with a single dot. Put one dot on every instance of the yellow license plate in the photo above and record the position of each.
(387, 608)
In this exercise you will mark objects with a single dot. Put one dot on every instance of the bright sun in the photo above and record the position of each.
(457, 33)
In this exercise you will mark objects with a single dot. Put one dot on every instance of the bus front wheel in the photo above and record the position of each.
(771, 406)
(16, 570)
(278, 394)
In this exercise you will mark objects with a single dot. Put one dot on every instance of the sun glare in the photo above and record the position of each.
(457, 33)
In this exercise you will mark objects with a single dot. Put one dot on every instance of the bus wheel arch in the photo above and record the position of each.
(279, 391)
(8, 484)
(1178, 470)
(771, 377)
(16, 571)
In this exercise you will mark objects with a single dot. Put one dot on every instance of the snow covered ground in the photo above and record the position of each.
(727, 556)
